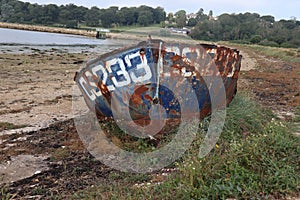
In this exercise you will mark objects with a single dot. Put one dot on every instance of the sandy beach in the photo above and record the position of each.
(37, 88)
(48, 29)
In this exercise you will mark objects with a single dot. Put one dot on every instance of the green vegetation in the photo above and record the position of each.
(286, 54)
(60, 154)
(72, 16)
(5, 195)
(256, 158)
(248, 28)
(8, 126)
(153, 30)
(297, 117)
(290, 55)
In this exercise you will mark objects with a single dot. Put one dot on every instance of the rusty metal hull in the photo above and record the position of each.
(133, 79)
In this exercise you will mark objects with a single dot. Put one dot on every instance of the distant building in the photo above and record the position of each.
(212, 18)
(102, 30)
(191, 16)
(180, 30)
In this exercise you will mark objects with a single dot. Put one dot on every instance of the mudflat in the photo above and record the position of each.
(37, 88)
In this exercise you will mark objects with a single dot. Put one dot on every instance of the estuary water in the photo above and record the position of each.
(21, 41)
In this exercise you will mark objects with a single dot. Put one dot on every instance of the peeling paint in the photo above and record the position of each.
(137, 75)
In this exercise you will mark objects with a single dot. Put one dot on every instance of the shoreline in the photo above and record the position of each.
(38, 28)
(88, 33)
(70, 31)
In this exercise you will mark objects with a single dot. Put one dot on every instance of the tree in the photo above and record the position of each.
(288, 24)
(268, 18)
(145, 18)
(92, 17)
(127, 16)
(109, 16)
(180, 18)
(249, 27)
(230, 26)
(210, 14)
(201, 16)
(207, 30)
(7, 12)
(76, 13)
(159, 15)
(64, 16)
(170, 17)
(192, 22)
(80, 13)
(255, 39)
(200, 12)
(19, 13)
(53, 12)
(105, 17)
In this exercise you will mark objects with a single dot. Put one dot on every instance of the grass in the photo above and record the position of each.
(9, 126)
(5, 195)
(60, 154)
(156, 31)
(256, 158)
(136, 27)
(286, 54)
(297, 114)
(125, 28)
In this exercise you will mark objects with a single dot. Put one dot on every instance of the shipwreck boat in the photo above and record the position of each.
(181, 78)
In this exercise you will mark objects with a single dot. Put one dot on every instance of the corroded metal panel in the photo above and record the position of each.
(141, 76)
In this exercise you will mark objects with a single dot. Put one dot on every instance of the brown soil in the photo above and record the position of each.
(71, 167)
(36, 91)
(37, 88)
(274, 83)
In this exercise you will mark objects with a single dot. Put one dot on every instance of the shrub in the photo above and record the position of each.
(164, 32)
(255, 39)
(72, 24)
(288, 45)
(268, 43)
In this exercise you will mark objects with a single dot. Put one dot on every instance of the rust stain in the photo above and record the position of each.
(104, 90)
(136, 97)
(148, 97)
(211, 61)
(176, 58)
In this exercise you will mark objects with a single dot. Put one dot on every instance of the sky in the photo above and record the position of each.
(280, 9)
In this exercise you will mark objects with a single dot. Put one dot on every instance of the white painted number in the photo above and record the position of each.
(140, 73)
(143, 65)
(120, 73)
(97, 72)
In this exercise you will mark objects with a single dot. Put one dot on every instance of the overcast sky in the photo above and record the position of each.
(280, 9)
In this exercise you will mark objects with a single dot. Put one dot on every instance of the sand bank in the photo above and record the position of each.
(48, 29)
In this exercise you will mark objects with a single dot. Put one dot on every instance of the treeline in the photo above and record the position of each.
(246, 28)
(71, 15)
(243, 28)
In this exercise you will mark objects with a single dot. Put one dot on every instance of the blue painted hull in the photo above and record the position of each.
(154, 72)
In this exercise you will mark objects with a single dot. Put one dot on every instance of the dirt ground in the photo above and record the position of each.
(273, 82)
(46, 157)
(37, 88)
